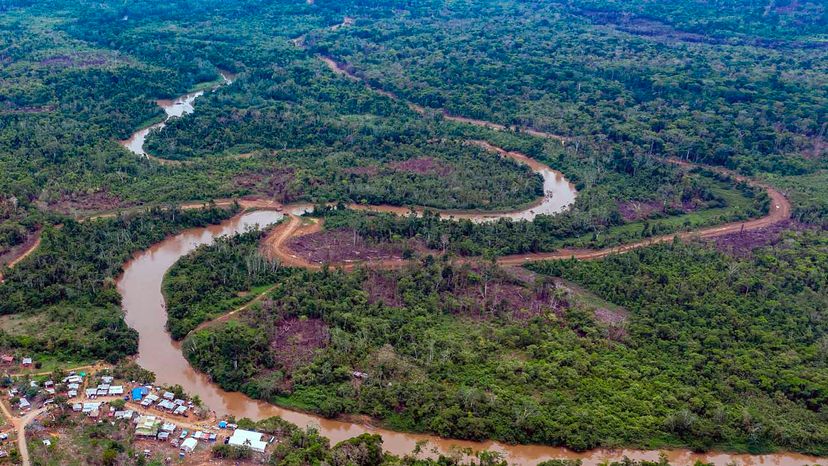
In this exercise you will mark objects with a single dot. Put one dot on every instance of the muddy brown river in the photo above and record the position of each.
(174, 108)
(143, 302)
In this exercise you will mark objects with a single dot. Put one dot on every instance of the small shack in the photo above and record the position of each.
(147, 426)
(248, 438)
(188, 445)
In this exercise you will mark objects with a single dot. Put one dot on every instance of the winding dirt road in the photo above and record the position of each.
(277, 243)
(27, 250)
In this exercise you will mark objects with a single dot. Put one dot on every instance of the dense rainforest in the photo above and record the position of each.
(665, 353)
(62, 302)
(706, 344)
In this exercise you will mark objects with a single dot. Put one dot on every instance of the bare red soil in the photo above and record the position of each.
(382, 288)
(70, 203)
(342, 245)
(422, 166)
(743, 243)
(780, 211)
(20, 252)
(634, 210)
(499, 298)
(295, 341)
(274, 183)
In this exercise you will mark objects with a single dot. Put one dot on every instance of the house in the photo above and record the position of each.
(24, 404)
(189, 445)
(73, 386)
(95, 413)
(27, 361)
(180, 402)
(6, 359)
(166, 404)
(149, 400)
(147, 426)
(50, 391)
(47, 442)
(116, 390)
(91, 392)
(180, 410)
(169, 395)
(248, 438)
(72, 393)
(168, 427)
(163, 436)
(77, 407)
(48, 383)
(90, 406)
(126, 414)
(107, 379)
(73, 379)
(137, 394)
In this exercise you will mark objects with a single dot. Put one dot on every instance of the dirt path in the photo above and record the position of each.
(19, 425)
(343, 70)
(780, 208)
(22, 446)
(24, 253)
(229, 315)
(276, 244)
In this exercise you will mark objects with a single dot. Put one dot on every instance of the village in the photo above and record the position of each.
(162, 424)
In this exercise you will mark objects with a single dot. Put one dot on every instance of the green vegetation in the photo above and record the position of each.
(477, 352)
(204, 284)
(594, 221)
(641, 88)
(808, 194)
(680, 345)
(66, 293)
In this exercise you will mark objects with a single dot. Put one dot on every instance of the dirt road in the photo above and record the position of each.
(19, 425)
(276, 244)
(24, 253)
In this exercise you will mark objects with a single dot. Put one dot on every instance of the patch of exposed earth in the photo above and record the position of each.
(70, 203)
(296, 339)
(422, 166)
(346, 245)
(742, 244)
(275, 183)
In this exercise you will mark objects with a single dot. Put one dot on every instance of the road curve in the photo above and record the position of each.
(24, 253)
(780, 209)
(276, 244)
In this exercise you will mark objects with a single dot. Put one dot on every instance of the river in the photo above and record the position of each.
(143, 302)
(145, 311)
(174, 108)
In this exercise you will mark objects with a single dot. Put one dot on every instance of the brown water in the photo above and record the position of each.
(143, 303)
(140, 287)
(175, 108)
